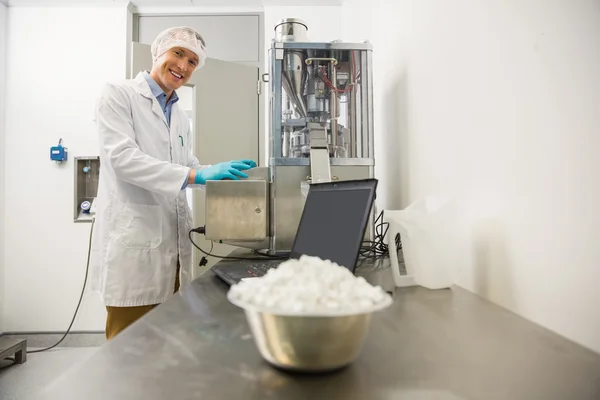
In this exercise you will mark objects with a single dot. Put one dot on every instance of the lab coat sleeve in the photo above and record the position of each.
(193, 161)
(129, 163)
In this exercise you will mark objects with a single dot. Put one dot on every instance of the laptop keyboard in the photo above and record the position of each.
(260, 269)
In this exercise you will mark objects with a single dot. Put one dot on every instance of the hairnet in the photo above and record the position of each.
(181, 36)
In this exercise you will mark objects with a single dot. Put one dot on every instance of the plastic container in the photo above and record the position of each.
(431, 243)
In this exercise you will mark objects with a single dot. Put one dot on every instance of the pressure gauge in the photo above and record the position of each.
(85, 206)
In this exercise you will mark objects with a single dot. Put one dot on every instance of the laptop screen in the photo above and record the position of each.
(334, 221)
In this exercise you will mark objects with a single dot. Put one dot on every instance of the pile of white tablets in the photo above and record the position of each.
(310, 285)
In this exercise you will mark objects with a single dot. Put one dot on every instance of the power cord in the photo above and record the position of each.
(204, 260)
(371, 249)
(8, 365)
(378, 248)
(202, 230)
(87, 268)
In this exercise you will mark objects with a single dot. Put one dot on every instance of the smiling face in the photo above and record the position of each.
(174, 68)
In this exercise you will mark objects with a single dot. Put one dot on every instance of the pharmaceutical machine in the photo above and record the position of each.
(320, 130)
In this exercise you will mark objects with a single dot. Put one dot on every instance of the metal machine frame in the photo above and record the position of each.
(314, 137)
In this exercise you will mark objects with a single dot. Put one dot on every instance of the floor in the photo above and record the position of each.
(24, 381)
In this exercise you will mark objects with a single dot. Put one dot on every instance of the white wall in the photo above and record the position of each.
(58, 61)
(3, 20)
(497, 103)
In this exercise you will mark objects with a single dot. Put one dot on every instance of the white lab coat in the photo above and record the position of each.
(142, 214)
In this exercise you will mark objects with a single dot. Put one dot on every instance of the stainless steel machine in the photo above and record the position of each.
(321, 129)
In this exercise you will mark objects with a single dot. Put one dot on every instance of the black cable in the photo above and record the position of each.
(374, 249)
(8, 365)
(378, 248)
(209, 254)
(87, 268)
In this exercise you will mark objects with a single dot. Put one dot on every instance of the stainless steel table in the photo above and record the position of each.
(430, 345)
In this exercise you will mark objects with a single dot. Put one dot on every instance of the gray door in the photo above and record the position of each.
(226, 124)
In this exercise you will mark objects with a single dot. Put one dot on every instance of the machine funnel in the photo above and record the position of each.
(294, 74)
(294, 79)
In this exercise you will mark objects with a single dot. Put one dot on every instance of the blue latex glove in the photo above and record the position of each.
(251, 163)
(225, 170)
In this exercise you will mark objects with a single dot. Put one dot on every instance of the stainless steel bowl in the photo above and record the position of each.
(308, 343)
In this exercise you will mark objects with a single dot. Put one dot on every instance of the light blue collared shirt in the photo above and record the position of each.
(161, 96)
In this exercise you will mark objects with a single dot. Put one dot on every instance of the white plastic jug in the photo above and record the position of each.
(430, 243)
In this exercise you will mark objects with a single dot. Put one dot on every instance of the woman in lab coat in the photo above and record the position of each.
(140, 250)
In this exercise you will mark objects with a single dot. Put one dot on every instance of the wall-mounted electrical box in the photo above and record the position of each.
(59, 153)
(87, 172)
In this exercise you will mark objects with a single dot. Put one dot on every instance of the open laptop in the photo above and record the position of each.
(332, 227)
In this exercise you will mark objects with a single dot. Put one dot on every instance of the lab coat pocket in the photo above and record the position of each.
(139, 226)
(178, 150)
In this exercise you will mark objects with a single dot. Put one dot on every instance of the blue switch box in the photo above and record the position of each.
(58, 153)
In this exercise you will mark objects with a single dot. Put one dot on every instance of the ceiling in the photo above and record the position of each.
(173, 3)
